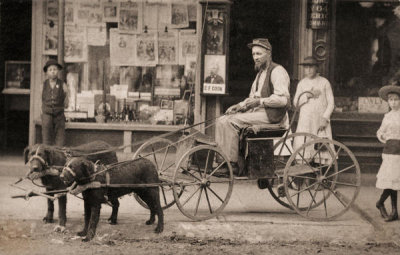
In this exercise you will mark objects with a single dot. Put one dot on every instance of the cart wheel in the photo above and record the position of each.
(282, 152)
(198, 173)
(161, 152)
(322, 176)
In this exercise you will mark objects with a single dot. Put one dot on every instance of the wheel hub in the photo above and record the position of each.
(205, 182)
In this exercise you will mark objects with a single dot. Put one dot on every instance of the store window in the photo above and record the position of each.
(127, 61)
(367, 54)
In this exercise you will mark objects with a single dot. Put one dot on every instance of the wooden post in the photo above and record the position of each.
(60, 46)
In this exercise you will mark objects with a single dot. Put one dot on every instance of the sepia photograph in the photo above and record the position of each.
(199, 127)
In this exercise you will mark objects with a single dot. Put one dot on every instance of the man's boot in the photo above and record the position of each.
(394, 215)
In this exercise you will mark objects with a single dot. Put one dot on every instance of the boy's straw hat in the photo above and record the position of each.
(52, 62)
(309, 61)
(386, 90)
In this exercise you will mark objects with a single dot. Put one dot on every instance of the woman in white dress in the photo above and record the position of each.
(316, 108)
(388, 177)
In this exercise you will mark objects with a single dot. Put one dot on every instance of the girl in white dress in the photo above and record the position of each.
(388, 177)
(316, 109)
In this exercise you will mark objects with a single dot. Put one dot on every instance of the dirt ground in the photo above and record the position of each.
(34, 237)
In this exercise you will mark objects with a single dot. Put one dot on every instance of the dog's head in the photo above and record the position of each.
(77, 169)
(38, 157)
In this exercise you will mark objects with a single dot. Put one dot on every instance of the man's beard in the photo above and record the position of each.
(261, 66)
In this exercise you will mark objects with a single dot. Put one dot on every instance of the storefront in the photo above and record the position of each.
(142, 68)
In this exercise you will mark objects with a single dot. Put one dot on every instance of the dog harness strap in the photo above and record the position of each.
(67, 168)
(107, 178)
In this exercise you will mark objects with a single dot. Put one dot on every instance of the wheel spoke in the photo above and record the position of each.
(155, 158)
(326, 211)
(340, 198)
(205, 167)
(167, 168)
(208, 201)
(165, 156)
(343, 183)
(216, 169)
(299, 191)
(341, 171)
(198, 202)
(165, 197)
(215, 194)
(312, 200)
(198, 163)
(187, 199)
(302, 176)
(188, 172)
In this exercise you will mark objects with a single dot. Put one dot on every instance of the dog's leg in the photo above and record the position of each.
(94, 220)
(115, 205)
(152, 199)
(62, 214)
(87, 218)
(147, 198)
(50, 210)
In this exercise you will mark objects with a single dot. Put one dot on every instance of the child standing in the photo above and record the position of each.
(316, 108)
(388, 177)
(54, 100)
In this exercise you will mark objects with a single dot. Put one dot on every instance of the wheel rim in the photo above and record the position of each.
(280, 163)
(161, 152)
(318, 182)
(205, 195)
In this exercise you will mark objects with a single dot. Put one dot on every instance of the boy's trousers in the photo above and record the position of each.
(53, 129)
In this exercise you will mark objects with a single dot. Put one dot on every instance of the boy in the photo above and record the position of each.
(54, 100)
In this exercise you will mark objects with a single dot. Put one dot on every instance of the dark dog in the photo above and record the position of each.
(140, 171)
(42, 157)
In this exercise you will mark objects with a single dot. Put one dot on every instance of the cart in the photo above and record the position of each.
(319, 179)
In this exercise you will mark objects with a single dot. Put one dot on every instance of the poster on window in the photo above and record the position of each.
(89, 13)
(52, 11)
(130, 17)
(164, 15)
(214, 74)
(215, 32)
(110, 11)
(192, 11)
(150, 16)
(147, 49)
(96, 35)
(168, 48)
(190, 69)
(179, 15)
(75, 44)
(122, 48)
(70, 14)
(187, 45)
(50, 40)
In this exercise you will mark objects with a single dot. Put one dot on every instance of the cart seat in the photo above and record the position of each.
(265, 130)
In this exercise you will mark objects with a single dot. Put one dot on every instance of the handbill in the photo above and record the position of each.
(179, 15)
(96, 36)
(110, 11)
(122, 48)
(130, 17)
(75, 47)
(187, 44)
(168, 48)
(89, 13)
(50, 40)
(150, 16)
(147, 49)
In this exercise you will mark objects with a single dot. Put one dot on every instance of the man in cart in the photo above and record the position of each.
(267, 102)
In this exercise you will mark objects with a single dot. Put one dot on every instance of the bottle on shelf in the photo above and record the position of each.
(125, 115)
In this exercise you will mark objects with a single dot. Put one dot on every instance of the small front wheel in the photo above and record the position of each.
(205, 191)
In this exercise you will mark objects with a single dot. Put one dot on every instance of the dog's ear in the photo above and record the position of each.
(87, 168)
(48, 155)
(26, 153)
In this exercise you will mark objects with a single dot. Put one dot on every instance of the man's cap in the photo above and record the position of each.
(386, 90)
(51, 62)
(261, 42)
(309, 61)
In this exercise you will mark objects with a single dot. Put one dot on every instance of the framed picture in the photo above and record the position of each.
(17, 74)
(167, 104)
(214, 74)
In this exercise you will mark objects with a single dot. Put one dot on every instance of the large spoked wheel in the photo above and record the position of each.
(161, 152)
(283, 149)
(206, 191)
(322, 179)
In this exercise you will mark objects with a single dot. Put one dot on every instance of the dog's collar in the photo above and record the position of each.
(75, 189)
(38, 157)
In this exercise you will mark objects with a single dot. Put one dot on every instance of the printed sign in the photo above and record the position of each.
(318, 14)
(210, 88)
(372, 105)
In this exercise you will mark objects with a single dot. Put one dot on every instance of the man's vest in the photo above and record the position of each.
(276, 114)
(53, 99)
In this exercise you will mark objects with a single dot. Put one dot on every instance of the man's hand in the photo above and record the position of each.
(233, 109)
(323, 123)
(252, 103)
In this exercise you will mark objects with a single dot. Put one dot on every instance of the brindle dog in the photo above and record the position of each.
(43, 157)
(85, 174)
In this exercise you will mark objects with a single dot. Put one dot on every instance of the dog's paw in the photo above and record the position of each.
(86, 239)
(81, 233)
(48, 220)
(59, 228)
(150, 222)
(159, 229)
(112, 221)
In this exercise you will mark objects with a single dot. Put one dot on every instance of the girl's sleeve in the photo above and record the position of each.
(382, 130)
(330, 101)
